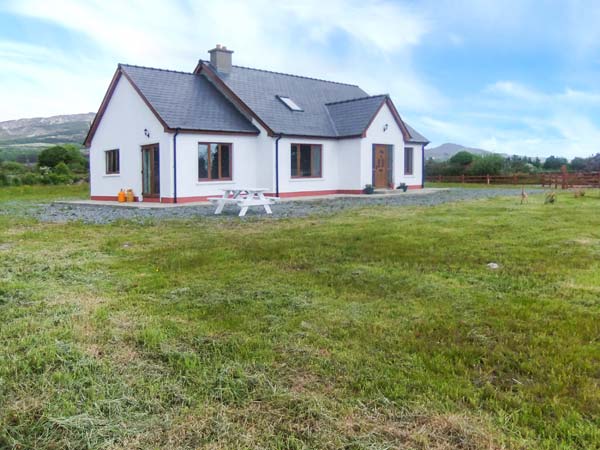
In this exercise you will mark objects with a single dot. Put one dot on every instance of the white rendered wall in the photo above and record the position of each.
(349, 164)
(243, 164)
(122, 127)
(392, 136)
(329, 179)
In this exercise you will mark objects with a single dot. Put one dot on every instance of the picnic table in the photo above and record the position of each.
(244, 198)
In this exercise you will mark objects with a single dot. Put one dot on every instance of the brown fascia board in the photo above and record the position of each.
(106, 100)
(308, 136)
(109, 94)
(388, 101)
(225, 132)
(399, 121)
(209, 73)
(148, 104)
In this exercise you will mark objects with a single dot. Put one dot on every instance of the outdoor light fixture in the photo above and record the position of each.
(146, 132)
(385, 127)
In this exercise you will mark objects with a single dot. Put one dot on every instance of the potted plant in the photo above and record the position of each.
(368, 189)
(402, 186)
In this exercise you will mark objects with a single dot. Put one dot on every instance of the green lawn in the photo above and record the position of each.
(371, 329)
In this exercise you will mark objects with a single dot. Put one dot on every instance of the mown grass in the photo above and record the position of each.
(374, 328)
(43, 193)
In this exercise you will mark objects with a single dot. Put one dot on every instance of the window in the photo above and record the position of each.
(289, 103)
(112, 161)
(306, 160)
(408, 161)
(214, 161)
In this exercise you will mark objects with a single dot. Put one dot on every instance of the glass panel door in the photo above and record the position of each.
(150, 171)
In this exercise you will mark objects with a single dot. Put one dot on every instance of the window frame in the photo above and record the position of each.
(312, 146)
(116, 160)
(412, 161)
(209, 162)
(290, 103)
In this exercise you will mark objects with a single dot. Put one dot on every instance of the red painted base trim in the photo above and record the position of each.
(151, 200)
(414, 186)
(203, 198)
(316, 193)
(109, 198)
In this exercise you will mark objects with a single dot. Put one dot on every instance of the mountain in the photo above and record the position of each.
(446, 151)
(42, 131)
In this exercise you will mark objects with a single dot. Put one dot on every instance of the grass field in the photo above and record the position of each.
(372, 329)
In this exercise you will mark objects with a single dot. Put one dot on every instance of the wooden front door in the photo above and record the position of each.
(381, 166)
(150, 171)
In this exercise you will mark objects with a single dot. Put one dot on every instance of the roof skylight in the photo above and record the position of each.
(289, 103)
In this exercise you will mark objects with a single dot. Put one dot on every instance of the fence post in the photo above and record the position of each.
(514, 179)
(439, 178)
(487, 178)
(564, 177)
(462, 178)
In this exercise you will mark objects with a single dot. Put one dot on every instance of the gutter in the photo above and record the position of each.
(277, 165)
(175, 165)
(423, 166)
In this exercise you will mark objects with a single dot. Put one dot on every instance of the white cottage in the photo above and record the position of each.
(178, 137)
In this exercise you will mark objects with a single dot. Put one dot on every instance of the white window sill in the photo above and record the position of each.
(111, 175)
(304, 179)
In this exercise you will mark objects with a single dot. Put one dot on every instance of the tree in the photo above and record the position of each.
(68, 154)
(462, 158)
(579, 164)
(593, 163)
(554, 163)
(487, 165)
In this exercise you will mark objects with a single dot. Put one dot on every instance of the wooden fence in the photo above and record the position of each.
(563, 179)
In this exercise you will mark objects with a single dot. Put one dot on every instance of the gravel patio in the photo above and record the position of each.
(91, 212)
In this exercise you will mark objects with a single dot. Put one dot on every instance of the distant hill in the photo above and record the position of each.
(41, 131)
(446, 151)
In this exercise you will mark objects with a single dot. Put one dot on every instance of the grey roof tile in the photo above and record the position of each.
(259, 90)
(189, 101)
(416, 136)
(184, 100)
(352, 117)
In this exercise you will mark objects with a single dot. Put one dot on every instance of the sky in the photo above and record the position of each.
(516, 76)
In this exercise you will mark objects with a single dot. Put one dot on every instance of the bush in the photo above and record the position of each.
(68, 154)
(487, 165)
(462, 158)
(31, 179)
(55, 178)
(13, 167)
(62, 169)
(4, 181)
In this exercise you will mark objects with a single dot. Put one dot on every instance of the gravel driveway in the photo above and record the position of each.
(100, 214)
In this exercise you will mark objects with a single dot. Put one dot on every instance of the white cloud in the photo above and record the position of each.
(515, 91)
(367, 42)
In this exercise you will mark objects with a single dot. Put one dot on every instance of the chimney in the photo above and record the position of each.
(220, 58)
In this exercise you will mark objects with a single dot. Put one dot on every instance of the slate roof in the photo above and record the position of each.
(352, 117)
(187, 101)
(192, 101)
(416, 137)
(259, 90)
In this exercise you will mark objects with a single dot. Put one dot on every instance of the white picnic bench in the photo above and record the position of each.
(244, 198)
